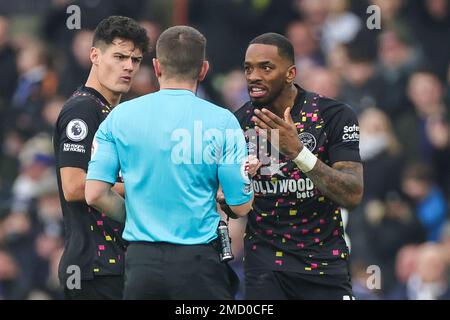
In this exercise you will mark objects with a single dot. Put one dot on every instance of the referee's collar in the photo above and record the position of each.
(176, 92)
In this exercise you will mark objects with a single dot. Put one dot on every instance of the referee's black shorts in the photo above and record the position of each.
(281, 285)
(166, 271)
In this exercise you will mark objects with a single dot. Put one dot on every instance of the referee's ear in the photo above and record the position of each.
(157, 67)
(203, 71)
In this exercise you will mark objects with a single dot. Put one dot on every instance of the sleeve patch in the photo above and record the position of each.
(70, 147)
(76, 130)
(351, 133)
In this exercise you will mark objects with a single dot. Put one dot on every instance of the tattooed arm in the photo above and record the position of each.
(342, 183)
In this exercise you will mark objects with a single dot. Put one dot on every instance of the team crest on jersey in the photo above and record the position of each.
(308, 140)
(76, 130)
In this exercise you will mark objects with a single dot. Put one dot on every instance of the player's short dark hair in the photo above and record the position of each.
(181, 52)
(121, 27)
(285, 48)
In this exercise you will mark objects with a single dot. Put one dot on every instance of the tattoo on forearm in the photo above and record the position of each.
(342, 184)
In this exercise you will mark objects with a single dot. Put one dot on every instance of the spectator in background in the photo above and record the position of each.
(391, 10)
(36, 171)
(405, 267)
(426, 94)
(9, 163)
(153, 30)
(50, 112)
(19, 226)
(341, 25)
(31, 63)
(429, 282)
(448, 85)
(337, 61)
(78, 63)
(312, 12)
(306, 46)
(381, 152)
(36, 82)
(431, 207)
(430, 21)
(49, 239)
(444, 239)
(7, 65)
(144, 82)
(398, 58)
(9, 272)
(8, 82)
(359, 282)
(438, 132)
(391, 224)
(361, 86)
(234, 90)
(321, 81)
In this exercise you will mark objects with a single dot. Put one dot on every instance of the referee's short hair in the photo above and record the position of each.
(123, 28)
(181, 52)
(285, 48)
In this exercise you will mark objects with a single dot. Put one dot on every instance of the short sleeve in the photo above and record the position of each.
(233, 165)
(76, 129)
(104, 165)
(343, 134)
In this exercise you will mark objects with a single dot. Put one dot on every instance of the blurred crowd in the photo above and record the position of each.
(397, 79)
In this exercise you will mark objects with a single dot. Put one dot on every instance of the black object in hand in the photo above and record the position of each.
(225, 253)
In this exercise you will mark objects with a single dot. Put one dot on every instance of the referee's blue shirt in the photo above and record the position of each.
(173, 150)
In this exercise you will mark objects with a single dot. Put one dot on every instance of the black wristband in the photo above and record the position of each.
(226, 208)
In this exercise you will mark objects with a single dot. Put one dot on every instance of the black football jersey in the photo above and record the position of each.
(92, 241)
(293, 226)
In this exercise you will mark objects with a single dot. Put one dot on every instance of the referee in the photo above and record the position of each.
(174, 149)
(94, 249)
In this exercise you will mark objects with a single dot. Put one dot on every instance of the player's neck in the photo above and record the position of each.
(285, 100)
(112, 97)
(178, 85)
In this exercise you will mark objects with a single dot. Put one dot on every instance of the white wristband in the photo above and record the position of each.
(305, 160)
